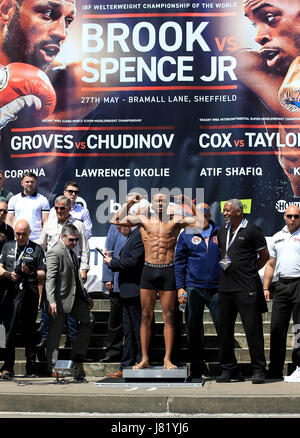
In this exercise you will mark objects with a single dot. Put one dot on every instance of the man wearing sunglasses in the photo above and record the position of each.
(66, 295)
(71, 191)
(284, 249)
(52, 231)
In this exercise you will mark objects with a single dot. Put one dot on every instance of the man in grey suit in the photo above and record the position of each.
(66, 295)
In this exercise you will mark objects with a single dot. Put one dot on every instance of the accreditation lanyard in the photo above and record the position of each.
(229, 241)
(21, 256)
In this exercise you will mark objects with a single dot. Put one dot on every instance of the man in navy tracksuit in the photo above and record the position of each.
(197, 272)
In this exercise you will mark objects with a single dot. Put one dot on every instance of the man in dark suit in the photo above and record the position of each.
(66, 295)
(129, 265)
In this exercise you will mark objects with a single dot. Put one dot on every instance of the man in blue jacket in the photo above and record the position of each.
(197, 272)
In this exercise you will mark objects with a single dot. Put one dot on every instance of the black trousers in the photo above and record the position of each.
(132, 317)
(20, 311)
(115, 326)
(197, 299)
(246, 304)
(286, 303)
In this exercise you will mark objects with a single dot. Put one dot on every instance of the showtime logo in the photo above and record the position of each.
(282, 205)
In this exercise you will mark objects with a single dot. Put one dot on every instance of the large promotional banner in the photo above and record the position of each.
(122, 96)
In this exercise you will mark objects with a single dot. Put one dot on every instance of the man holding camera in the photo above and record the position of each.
(22, 266)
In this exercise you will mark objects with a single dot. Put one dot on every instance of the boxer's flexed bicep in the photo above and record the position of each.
(23, 85)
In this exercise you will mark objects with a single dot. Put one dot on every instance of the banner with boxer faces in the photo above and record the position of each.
(122, 95)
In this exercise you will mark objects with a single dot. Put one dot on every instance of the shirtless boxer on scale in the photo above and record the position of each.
(159, 234)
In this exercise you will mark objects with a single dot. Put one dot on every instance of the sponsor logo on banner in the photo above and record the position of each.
(281, 205)
(246, 205)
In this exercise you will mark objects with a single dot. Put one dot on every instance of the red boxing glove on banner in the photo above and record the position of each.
(19, 79)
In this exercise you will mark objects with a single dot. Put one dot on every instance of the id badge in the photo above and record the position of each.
(225, 262)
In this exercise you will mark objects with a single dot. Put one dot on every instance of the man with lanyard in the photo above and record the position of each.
(22, 265)
(197, 272)
(243, 253)
(285, 262)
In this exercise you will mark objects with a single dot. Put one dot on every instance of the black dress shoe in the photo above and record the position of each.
(79, 373)
(228, 376)
(81, 379)
(258, 377)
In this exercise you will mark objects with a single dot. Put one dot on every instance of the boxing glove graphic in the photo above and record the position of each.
(289, 92)
(23, 85)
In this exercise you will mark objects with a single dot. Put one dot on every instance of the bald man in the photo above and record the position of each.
(22, 267)
(284, 260)
(197, 273)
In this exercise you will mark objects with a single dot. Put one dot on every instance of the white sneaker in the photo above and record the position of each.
(294, 377)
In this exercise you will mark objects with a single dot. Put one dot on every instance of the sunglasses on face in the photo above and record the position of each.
(296, 216)
(71, 239)
(72, 191)
(60, 208)
(3, 211)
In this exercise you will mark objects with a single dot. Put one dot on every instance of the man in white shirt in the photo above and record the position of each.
(284, 249)
(29, 205)
(71, 191)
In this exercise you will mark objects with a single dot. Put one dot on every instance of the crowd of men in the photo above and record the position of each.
(152, 250)
(44, 264)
